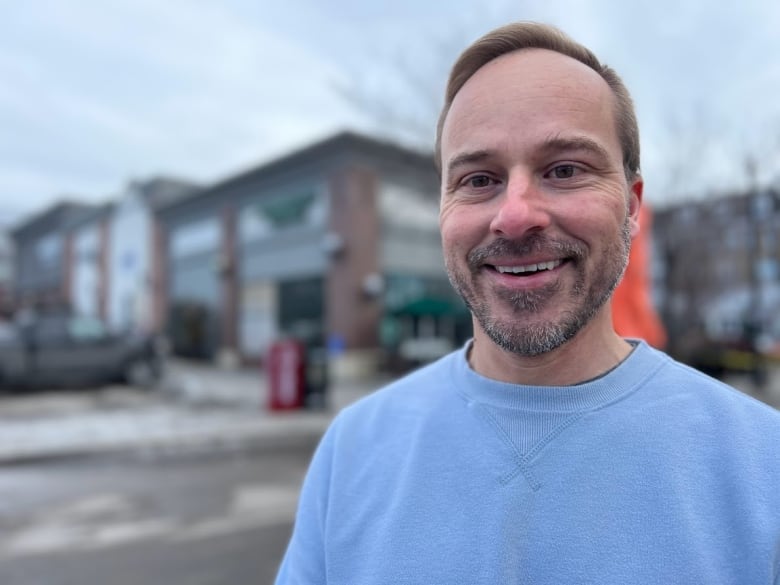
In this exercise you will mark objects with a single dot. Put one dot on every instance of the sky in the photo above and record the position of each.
(96, 93)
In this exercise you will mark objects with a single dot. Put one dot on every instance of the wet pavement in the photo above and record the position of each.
(195, 408)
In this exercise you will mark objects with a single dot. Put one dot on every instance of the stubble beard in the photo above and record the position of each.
(521, 335)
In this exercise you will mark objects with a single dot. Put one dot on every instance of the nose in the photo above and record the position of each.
(522, 208)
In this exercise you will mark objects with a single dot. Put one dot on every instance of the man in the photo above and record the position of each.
(549, 449)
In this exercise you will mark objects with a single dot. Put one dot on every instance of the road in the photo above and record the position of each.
(122, 520)
(212, 520)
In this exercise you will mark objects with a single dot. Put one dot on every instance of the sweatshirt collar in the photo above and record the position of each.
(614, 384)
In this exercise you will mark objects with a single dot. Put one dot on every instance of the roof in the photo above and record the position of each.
(163, 191)
(62, 213)
(343, 142)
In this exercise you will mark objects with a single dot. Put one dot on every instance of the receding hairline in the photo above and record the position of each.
(529, 36)
(590, 76)
(582, 142)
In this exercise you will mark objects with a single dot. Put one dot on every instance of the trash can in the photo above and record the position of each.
(286, 375)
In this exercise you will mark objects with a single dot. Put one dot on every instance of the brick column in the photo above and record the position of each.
(229, 280)
(67, 271)
(350, 313)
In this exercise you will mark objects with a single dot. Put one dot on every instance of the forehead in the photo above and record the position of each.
(526, 95)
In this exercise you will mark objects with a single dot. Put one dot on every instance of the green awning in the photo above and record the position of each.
(430, 306)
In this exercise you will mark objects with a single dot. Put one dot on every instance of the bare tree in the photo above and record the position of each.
(402, 93)
(399, 91)
(689, 143)
(759, 153)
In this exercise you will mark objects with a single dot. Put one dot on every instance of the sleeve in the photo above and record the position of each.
(304, 561)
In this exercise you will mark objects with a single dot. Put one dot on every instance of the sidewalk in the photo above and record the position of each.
(197, 408)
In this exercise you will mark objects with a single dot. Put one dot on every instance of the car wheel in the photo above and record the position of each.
(140, 373)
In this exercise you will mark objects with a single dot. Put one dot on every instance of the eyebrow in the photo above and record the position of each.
(579, 143)
(465, 159)
(552, 144)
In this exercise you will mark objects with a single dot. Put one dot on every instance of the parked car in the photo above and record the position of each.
(56, 350)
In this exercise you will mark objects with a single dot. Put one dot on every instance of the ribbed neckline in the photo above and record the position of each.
(621, 380)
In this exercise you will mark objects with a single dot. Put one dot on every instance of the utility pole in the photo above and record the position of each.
(755, 313)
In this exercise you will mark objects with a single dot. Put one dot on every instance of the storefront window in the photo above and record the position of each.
(195, 238)
(301, 310)
(49, 249)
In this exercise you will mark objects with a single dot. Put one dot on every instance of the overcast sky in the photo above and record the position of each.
(94, 93)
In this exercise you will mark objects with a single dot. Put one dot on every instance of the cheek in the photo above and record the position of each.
(595, 223)
(450, 244)
(462, 227)
(446, 210)
(450, 229)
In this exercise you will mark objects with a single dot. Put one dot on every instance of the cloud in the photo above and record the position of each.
(96, 93)
(141, 87)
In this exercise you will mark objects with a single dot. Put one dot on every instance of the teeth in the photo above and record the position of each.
(529, 268)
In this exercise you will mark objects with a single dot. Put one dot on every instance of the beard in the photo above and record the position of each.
(521, 335)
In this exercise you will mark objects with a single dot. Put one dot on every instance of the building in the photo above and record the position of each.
(99, 260)
(336, 245)
(718, 268)
(89, 262)
(43, 255)
(132, 254)
(6, 274)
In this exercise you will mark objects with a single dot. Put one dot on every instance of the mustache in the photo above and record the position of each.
(532, 244)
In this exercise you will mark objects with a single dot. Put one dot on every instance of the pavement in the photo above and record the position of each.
(196, 408)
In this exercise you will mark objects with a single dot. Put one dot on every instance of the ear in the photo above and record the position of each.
(634, 203)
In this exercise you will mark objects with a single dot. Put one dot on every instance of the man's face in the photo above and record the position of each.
(536, 212)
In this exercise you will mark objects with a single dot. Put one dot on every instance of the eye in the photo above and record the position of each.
(478, 181)
(563, 172)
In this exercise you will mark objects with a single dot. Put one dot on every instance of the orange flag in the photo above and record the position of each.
(633, 313)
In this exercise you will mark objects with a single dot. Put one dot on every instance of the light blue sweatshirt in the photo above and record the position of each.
(651, 474)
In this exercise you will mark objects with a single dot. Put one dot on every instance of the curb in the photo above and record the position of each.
(276, 433)
(191, 412)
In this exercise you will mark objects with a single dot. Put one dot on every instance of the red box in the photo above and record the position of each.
(286, 373)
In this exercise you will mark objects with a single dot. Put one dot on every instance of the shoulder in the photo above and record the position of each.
(412, 391)
(718, 392)
(697, 395)
(405, 401)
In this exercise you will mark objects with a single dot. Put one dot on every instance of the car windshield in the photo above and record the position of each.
(86, 328)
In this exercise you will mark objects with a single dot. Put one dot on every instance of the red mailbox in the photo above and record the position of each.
(286, 375)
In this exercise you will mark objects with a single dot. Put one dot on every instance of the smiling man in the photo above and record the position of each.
(537, 214)
(548, 449)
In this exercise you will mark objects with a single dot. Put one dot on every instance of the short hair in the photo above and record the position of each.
(533, 35)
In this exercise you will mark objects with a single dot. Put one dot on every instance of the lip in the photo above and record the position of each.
(527, 265)
(525, 261)
(526, 281)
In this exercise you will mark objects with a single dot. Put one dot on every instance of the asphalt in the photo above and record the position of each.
(195, 409)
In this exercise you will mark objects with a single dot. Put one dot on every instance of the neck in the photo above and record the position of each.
(592, 352)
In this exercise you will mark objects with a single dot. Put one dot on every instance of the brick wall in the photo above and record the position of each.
(350, 313)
